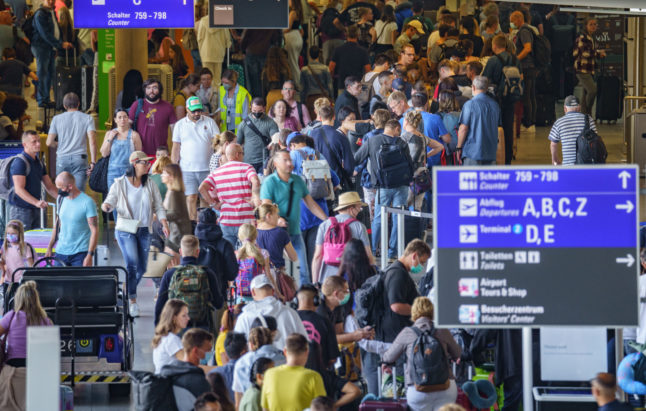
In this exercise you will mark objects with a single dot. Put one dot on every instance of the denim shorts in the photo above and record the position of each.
(192, 181)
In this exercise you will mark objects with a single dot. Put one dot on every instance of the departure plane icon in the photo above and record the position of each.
(468, 207)
(468, 233)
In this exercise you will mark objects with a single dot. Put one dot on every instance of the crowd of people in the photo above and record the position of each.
(290, 158)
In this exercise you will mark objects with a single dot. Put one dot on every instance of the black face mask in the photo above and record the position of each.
(257, 114)
(63, 193)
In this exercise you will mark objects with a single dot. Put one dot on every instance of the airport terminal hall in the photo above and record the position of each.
(322, 205)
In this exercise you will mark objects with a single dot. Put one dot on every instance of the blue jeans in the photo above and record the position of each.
(73, 260)
(134, 248)
(389, 197)
(299, 246)
(45, 69)
(230, 233)
(75, 165)
(253, 68)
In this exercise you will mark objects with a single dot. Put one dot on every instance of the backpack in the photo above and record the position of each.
(152, 392)
(541, 49)
(350, 360)
(28, 26)
(6, 182)
(394, 168)
(326, 26)
(317, 175)
(426, 283)
(510, 89)
(247, 270)
(430, 366)
(446, 52)
(190, 284)
(213, 258)
(369, 301)
(590, 148)
(336, 237)
(367, 91)
(564, 33)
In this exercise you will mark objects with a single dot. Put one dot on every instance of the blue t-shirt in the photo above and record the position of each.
(74, 236)
(482, 115)
(433, 127)
(278, 191)
(32, 181)
(274, 241)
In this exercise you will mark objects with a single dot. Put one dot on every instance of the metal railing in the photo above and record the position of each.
(401, 232)
(631, 103)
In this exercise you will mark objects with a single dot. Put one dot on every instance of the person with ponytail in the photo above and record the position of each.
(252, 261)
(166, 342)
(27, 312)
(251, 399)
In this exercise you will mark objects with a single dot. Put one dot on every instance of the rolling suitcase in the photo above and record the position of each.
(68, 79)
(87, 87)
(67, 398)
(610, 95)
(385, 404)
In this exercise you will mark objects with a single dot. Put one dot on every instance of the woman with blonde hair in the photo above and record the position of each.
(179, 223)
(157, 169)
(219, 147)
(166, 342)
(422, 316)
(27, 312)
(272, 238)
(252, 261)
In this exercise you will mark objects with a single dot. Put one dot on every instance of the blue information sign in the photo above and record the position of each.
(133, 14)
(533, 246)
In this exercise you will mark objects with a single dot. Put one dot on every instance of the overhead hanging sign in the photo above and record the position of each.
(536, 246)
(133, 14)
(263, 14)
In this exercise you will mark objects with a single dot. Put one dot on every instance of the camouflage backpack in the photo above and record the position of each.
(190, 284)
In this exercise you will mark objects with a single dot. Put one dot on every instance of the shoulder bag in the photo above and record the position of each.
(127, 225)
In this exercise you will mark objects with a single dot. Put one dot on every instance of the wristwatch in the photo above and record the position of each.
(91, 253)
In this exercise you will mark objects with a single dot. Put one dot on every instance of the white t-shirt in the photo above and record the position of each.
(139, 203)
(384, 32)
(166, 350)
(195, 139)
(4, 123)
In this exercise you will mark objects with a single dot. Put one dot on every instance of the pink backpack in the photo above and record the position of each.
(336, 237)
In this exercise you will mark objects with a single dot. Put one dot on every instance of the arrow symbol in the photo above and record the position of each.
(624, 176)
(628, 206)
(629, 260)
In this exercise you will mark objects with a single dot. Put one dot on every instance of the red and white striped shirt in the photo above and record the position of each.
(231, 185)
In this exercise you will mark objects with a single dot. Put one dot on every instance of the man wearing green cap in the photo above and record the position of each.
(192, 139)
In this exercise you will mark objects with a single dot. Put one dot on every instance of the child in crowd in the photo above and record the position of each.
(251, 398)
(162, 159)
(272, 238)
(252, 261)
(219, 147)
(227, 323)
(15, 253)
(166, 342)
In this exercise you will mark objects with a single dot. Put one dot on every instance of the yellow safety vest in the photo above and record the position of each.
(242, 95)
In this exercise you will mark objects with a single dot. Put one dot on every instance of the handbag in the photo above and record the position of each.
(157, 263)
(286, 285)
(127, 225)
(98, 180)
(422, 181)
(3, 343)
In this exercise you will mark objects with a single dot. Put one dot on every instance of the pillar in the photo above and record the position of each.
(131, 52)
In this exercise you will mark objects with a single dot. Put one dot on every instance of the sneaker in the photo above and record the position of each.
(530, 129)
(134, 310)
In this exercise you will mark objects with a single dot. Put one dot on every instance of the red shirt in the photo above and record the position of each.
(231, 184)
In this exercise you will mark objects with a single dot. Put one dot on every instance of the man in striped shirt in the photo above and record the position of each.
(566, 130)
(234, 188)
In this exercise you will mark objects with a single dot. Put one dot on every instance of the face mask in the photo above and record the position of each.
(63, 193)
(345, 299)
(12, 238)
(226, 86)
(417, 269)
(257, 114)
(513, 26)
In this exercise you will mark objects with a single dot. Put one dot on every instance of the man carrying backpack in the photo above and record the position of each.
(566, 130)
(194, 284)
(524, 42)
(334, 233)
(391, 171)
(509, 88)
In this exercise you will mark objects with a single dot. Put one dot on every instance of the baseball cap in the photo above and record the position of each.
(260, 281)
(139, 155)
(571, 101)
(193, 103)
(418, 26)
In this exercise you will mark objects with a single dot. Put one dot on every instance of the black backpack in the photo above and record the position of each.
(326, 25)
(565, 32)
(394, 167)
(28, 26)
(369, 307)
(447, 51)
(426, 283)
(541, 49)
(152, 392)
(590, 148)
(430, 366)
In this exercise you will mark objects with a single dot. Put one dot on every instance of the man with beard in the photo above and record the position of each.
(151, 117)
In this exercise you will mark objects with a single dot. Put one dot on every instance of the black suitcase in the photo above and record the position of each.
(68, 79)
(545, 110)
(87, 87)
(610, 94)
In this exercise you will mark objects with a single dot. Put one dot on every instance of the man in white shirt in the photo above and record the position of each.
(192, 141)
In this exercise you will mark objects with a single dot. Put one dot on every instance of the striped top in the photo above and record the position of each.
(566, 130)
(231, 185)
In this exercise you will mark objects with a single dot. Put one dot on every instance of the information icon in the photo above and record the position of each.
(469, 314)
